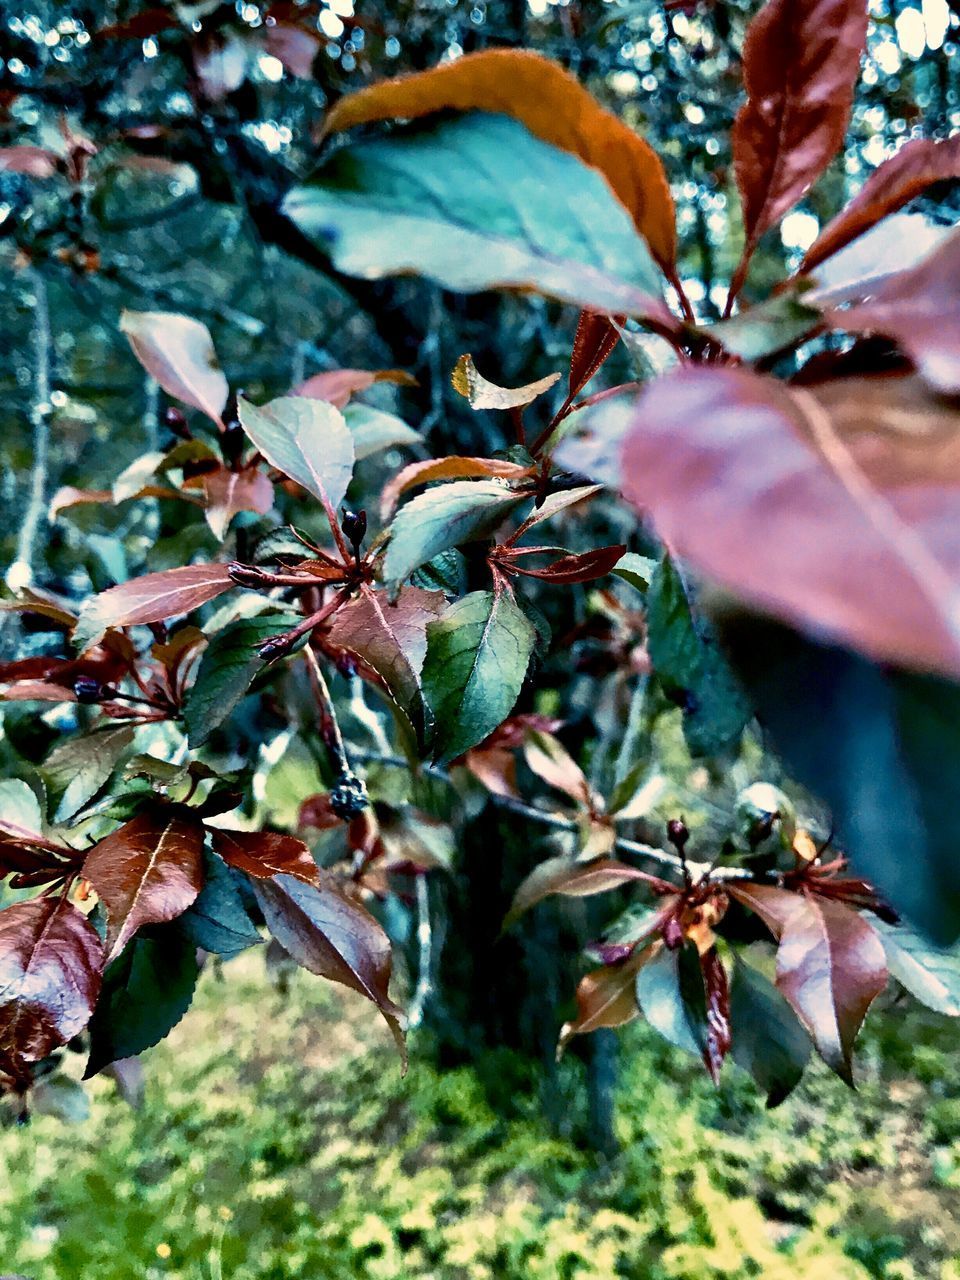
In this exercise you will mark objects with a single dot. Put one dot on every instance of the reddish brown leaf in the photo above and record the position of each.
(571, 880)
(549, 760)
(593, 342)
(920, 308)
(316, 812)
(146, 872)
(333, 936)
(266, 853)
(178, 351)
(142, 25)
(495, 767)
(917, 165)
(800, 64)
(152, 598)
(294, 46)
(338, 386)
(551, 104)
(38, 162)
(717, 991)
(831, 965)
(228, 492)
(468, 382)
(806, 502)
(454, 468)
(51, 961)
(584, 567)
(605, 998)
(220, 61)
(391, 639)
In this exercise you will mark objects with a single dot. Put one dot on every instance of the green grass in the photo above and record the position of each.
(277, 1141)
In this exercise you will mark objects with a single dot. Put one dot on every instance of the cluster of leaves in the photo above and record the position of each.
(823, 498)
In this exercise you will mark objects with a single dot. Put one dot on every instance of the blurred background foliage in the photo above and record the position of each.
(241, 1163)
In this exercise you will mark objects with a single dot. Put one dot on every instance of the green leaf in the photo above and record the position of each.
(691, 668)
(19, 808)
(637, 570)
(229, 663)
(78, 768)
(477, 656)
(308, 440)
(374, 430)
(446, 572)
(146, 991)
(217, 921)
(771, 326)
(930, 973)
(478, 203)
(671, 997)
(445, 517)
(768, 1041)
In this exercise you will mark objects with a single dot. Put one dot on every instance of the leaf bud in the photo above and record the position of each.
(677, 833)
(349, 798)
(354, 526)
(176, 422)
(88, 689)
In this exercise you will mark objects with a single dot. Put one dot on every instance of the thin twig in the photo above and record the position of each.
(425, 956)
(20, 573)
(332, 735)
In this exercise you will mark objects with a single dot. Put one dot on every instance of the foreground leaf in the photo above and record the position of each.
(830, 965)
(152, 598)
(920, 308)
(879, 747)
(477, 656)
(915, 166)
(51, 960)
(691, 667)
(146, 992)
(768, 1041)
(444, 517)
(441, 202)
(178, 352)
(818, 504)
(801, 59)
(332, 936)
(308, 440)
(552, 105)
(146, 872)
(373, 430)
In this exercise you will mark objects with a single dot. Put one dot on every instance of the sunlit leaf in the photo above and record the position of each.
(442, 202)
(178, 351)
(152, 598)
(308, 440)
(552, 105)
